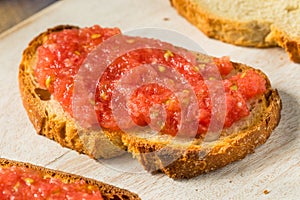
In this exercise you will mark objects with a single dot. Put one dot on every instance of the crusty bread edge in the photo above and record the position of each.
(291, 45)
(108, 191)
(247, 33)
(58, 127)
(196, 160)
(251, 33)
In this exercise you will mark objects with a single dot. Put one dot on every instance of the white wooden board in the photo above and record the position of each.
(274, 167)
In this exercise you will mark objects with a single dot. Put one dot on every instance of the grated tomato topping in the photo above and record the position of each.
(25, 183)
(60, 57)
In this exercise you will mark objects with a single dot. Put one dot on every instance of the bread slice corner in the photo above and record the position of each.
(108, 192)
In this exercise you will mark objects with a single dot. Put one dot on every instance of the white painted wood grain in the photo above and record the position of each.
(275, 166)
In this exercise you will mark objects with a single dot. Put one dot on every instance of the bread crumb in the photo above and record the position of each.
(166, 18)
(266, 191)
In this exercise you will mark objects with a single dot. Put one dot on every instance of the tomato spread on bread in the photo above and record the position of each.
(25, 183)
(60, 57)
(238, 89)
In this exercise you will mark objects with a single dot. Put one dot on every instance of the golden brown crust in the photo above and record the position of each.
(291, 46)
(179, 162)
(251, 33)
(108, 192)
(47, 115)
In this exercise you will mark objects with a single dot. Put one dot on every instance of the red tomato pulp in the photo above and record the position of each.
(63, 53)
(60, 57)
(24, 183)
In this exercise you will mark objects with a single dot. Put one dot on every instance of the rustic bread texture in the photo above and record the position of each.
(247, 23)
(108, 192)
(47, 115)
(179, 160)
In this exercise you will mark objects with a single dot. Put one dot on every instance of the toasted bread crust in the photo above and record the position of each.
(291, 46)
(47, 115)
(198, 159)
(108, 192)
(251, 33)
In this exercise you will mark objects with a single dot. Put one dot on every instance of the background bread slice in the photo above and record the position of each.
(247, 23)
(108, 192)
(47, 115)
(180, 160)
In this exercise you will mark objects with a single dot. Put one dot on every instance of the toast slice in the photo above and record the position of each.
(247, 23)
(186, 159)
(108, 192)
(48, 116)
(174, 157)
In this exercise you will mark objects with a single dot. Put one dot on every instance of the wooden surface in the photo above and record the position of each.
(274, 167)
(14, 11)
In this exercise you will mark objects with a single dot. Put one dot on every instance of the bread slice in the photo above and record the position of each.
(48, 116)
(174, 157)
(108, 192)
(247, 23)
(186, 159)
